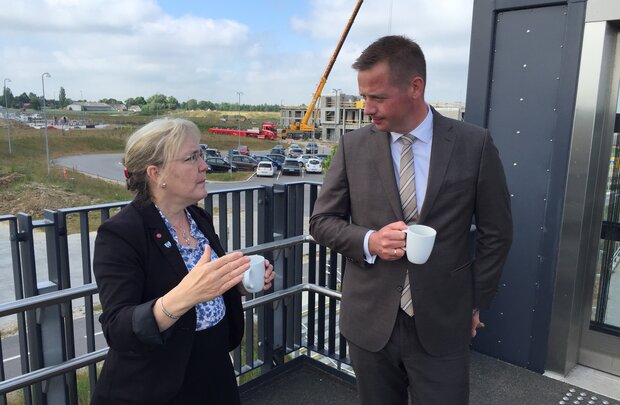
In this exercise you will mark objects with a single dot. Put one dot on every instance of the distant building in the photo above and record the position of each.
(88, 106)
(455, 110)
(135, 108)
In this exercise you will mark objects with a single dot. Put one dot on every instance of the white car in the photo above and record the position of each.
(265, 169)
(314, 165)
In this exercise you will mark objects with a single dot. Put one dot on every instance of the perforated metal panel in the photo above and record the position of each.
(523, 66)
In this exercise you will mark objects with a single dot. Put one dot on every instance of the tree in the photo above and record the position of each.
(21, 100)
(129, 102)
(35, 103)
(62, 97)
(172, 103)
(139, 100)
(191, 104)
(8, 96)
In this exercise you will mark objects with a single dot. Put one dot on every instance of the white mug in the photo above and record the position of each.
(420, 241)
(254, 277)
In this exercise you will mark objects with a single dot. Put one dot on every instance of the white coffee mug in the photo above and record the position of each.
(420, 241)
(254, 277)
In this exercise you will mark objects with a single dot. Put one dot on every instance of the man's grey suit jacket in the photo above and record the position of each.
(359, 193)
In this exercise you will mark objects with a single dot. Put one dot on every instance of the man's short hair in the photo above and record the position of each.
(403, 56)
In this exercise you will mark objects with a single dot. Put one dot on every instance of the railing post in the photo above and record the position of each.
(279, 265)
(32, 353)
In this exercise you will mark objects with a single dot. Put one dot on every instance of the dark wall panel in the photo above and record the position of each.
(519, 66)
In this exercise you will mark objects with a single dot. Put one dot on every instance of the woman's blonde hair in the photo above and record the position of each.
(156, 143)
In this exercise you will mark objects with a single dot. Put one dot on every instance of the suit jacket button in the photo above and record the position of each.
(400, 288)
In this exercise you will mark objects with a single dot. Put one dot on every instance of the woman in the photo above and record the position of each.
(171, 297)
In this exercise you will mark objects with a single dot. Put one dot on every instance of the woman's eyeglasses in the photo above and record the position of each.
(193, 158)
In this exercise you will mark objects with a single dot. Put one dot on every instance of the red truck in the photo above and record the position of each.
(268, 131)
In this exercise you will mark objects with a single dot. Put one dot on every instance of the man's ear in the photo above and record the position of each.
(416, 87)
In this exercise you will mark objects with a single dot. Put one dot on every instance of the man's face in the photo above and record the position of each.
(390, 106)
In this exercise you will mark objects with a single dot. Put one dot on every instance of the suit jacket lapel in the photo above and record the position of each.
(441, 153)
(380, 147)
(161, 237)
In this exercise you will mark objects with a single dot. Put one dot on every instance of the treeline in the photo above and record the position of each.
(151, 105)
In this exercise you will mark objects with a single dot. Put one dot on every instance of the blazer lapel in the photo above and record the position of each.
(441, 153)
(161, 237)
(380, 146)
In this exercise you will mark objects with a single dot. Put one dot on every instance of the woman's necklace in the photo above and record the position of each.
(185, 237)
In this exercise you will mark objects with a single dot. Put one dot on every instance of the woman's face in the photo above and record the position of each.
(185, 175)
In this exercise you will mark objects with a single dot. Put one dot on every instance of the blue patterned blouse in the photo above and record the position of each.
(208, 313)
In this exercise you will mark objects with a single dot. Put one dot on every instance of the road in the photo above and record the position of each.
(109, 167)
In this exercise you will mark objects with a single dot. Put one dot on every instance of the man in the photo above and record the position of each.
(363, 208)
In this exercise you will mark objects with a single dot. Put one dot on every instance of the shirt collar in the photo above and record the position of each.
(423, 132)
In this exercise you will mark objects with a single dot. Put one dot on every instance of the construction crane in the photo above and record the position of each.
(302, 128)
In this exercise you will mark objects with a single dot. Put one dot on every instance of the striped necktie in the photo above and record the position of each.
(409, 204)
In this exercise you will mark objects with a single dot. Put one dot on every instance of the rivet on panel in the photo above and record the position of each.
(521, 99)
(512, 195)
(518, 132)
(514, 164)
(524, 65)
(527, 31)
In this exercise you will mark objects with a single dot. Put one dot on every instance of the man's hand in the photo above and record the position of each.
(475, 322)
(388, 242)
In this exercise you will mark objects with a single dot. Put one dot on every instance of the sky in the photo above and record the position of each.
(272, 51)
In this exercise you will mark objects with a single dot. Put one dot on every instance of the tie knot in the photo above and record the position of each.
(406, 139)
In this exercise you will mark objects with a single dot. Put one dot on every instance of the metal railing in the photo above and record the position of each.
(298, 317)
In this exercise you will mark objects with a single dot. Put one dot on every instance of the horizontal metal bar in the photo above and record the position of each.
(51, 298)
(278, 295)
(46, 373)
(57, 297)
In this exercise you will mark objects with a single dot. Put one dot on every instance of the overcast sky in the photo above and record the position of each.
(274, 51)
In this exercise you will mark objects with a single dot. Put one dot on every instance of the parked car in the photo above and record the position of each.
(312, 148)
(217, 164)
(304, 158)
(265, 169)
(212, 152)
(244, 162)
(278, 150)
(204, 147)
(260, 158)
(244, 150)
(314, 165)
(321, 156)
(291, 167)
(277, 158)
(295, 152)
(292, 146)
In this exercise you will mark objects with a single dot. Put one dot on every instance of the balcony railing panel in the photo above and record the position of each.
(55, 301)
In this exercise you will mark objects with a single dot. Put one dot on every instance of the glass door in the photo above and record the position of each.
(600, 339)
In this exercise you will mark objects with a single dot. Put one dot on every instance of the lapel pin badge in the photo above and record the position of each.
(167, 244)
(158, 235)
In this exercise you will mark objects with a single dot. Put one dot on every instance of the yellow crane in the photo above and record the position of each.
(303, 127)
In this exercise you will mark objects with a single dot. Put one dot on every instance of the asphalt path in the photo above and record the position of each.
(109, 167)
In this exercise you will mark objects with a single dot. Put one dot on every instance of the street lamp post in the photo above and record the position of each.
(239, 120)
(47, 148)
(337, 115)
(6, 115)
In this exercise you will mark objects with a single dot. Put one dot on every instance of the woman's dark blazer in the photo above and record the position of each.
(136, 261)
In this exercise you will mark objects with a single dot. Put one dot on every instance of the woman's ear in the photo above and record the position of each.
(153, 173)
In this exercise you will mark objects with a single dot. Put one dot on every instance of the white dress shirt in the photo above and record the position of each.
(423, 135)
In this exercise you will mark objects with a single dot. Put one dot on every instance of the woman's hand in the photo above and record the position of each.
(210, 279)
(206, 281)
(270, 275)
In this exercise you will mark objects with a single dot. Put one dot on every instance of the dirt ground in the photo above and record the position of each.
(34, 198)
